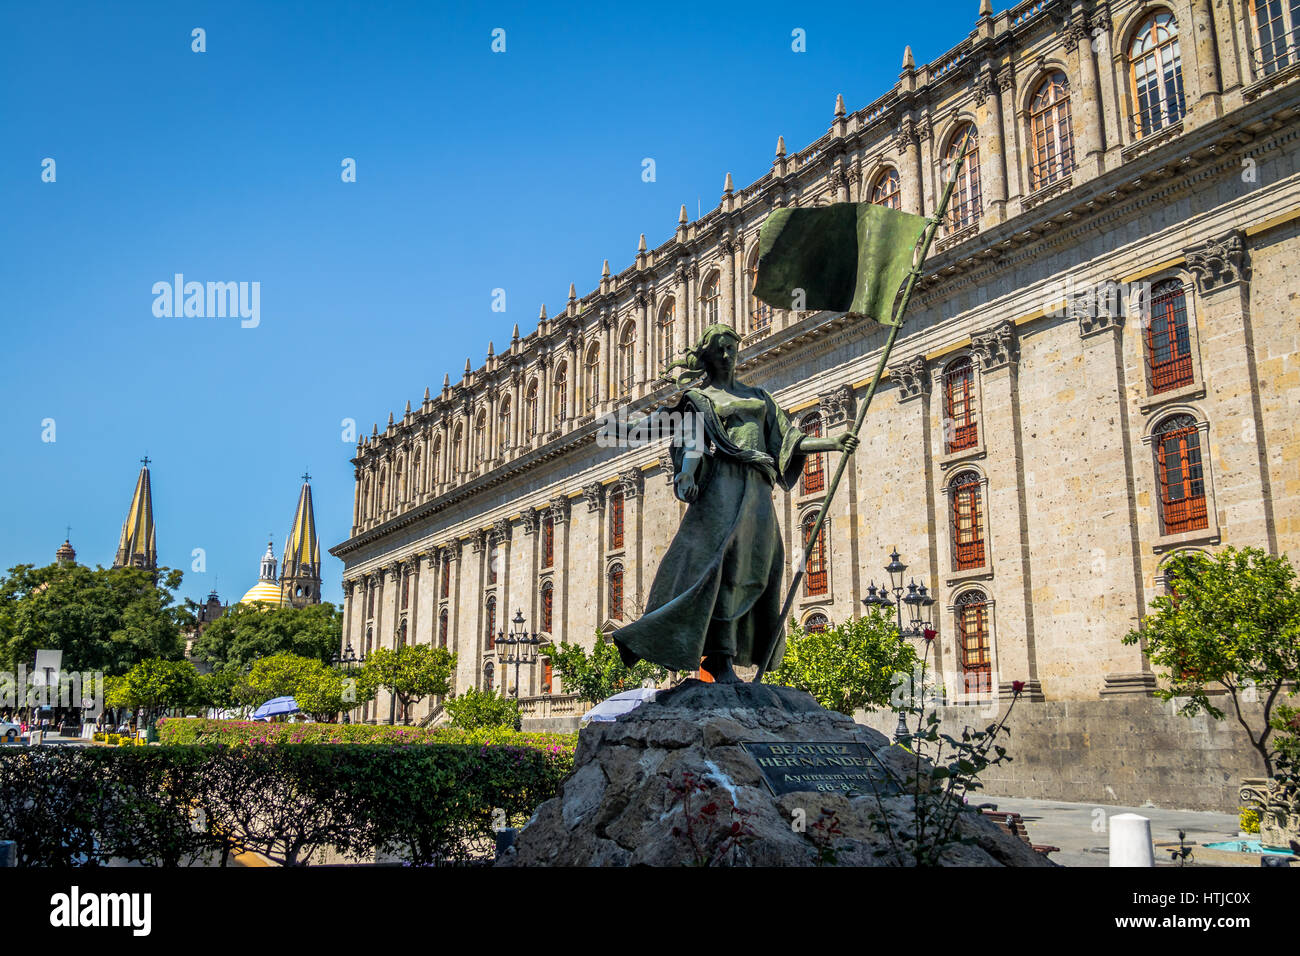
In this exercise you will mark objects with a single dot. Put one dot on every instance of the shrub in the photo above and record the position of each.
(1249, 820)
(475, 709)
(169, 806)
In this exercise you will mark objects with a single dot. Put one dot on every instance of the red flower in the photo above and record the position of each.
(1017, 686)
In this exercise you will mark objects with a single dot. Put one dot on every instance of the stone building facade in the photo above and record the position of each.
(1100, 369)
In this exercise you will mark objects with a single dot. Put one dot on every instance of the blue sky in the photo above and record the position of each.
(475, 170)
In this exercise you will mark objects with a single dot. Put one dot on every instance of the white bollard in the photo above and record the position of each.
(1130, 840)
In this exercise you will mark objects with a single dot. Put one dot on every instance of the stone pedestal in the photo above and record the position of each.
(670, 784)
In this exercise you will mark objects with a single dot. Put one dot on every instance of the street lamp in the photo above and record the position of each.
(348, 661)
(518, 647)
(920, 612)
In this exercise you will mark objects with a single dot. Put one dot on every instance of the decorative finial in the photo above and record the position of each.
(727, 184)
(306, 477)
(640, 246)
(573, 291)
(681, 219)
(145, 461)
(780, 146)
(408, 407)
(986, 8)
(374, 430)
(604, 270)
(446, 380)
(908, 62)
(542, 315)
(514, 336)
(468, 369)
(426, 393)
(839, 105)
(491, 351)
(390, 419)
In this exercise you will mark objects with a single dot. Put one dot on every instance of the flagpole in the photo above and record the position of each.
(918, 259)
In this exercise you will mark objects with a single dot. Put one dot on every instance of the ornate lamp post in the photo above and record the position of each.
(518, 647)
(347, 661)
(919, 615)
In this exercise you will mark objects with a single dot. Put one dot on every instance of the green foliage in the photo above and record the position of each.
(102, 619)
(475, 709)
(156, 685)
(171, 806)
(234, 733)
(321, 691)
(218, 690)
(248, 632)
(411, 672)
(600, 674)
(847, 666)
(1234, 624)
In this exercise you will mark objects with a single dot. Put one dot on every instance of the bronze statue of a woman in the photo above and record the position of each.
(717, 593)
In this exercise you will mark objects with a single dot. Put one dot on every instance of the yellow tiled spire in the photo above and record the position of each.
(137, 547)
(300, 563)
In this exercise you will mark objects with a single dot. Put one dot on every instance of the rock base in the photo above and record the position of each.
(669, 785)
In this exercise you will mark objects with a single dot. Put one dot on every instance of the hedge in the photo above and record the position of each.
(177, 805)
(189, 730)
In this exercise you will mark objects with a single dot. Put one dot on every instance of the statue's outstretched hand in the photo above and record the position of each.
(847, 443)
(687, 489)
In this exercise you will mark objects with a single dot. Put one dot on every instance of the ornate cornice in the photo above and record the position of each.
(530, 518)
(594, 495)
(838, 405)
(1098, 309)
(560, 509)
(913, 382)
(631, 482)
(502, 530)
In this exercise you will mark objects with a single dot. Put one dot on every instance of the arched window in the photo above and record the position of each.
(1181, 476)
(548, 541)
(370, 640)
(959, 428)
(370, 601)
(399, 480)
(480, 437)
(1156, 72)
(530, 409)
(816, 580)
(615, 518)
(966, 203)
(967, 522)
(1277, 34)
(435, 463)
(813, 479)
(365, 499)
(627, 359)
(548, 607)
(490, 620)
(616, 592)
(709, 301)
(503, 426)
(417, 474)
(760, 313)
(887, 190)
(666, 341)
(547, 676)
(444, 624)
(457, 447)
(406, 588)
(446, 575)
(561, 384)
(401, 634)
(489, 677)
(382, 491)
(591, 376)
(1050, 132)
(816, 623)
(972, 611)
(1169, 348)
(494, 561)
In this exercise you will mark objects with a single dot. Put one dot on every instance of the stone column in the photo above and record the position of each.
(544, 400)
(356, 497)
(571, 381)
(517, 411)
(993, 159)
(1006, 522)
(909, 149)
(1011, 143)
(680, 332)
(1209, 86)
(632, 484)
(728, 296)
(644, 347)
(606, 376)
(1241, 484)
(1089, 139)
(560, 599)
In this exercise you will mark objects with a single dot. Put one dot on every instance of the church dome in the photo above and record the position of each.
(263, 591)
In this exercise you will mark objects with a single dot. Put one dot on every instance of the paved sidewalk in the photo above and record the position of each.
(1079, 829)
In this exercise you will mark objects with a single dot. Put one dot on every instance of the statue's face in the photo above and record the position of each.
(721, 355)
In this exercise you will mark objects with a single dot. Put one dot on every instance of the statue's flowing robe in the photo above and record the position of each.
(718, 587)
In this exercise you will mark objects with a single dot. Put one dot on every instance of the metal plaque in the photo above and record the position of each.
(831, 767)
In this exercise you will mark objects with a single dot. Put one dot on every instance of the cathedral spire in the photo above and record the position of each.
(137, 547)
(300, 564)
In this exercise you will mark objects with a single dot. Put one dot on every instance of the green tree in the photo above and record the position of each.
(156, 685)
(1231, 621)
(102, 619)
(217, 690)
(479, 708)
(319, 690)
(411, 672)
(846, 666)
(249, 632)
(600, 674)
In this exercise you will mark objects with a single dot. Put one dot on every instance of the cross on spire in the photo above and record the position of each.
(68, 537)
(306, 476)
(145, 461)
